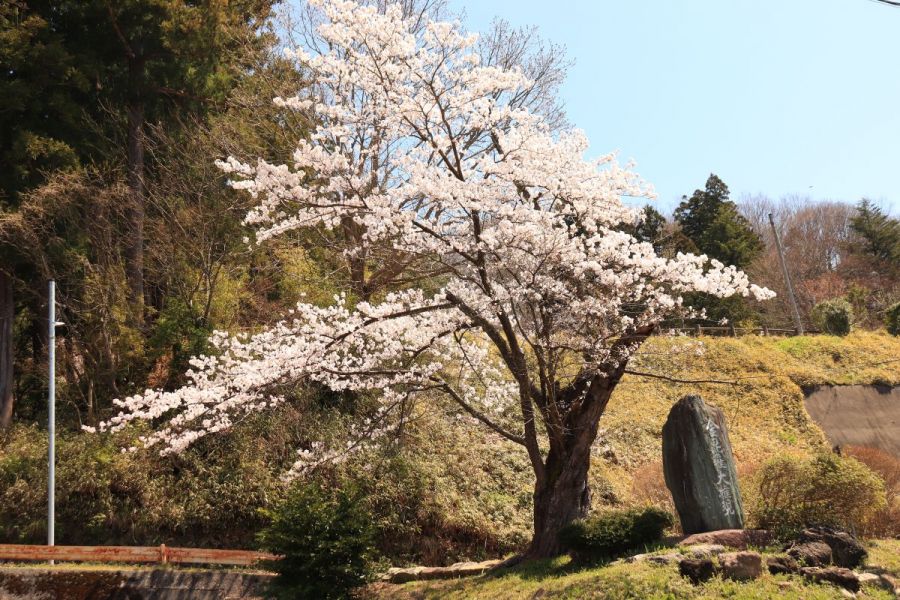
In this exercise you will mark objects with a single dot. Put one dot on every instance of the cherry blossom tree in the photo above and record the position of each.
(424, 151)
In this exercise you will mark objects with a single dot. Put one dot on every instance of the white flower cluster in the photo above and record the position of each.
(426, 152)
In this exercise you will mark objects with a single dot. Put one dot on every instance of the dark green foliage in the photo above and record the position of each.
(327, 540)
(790, 493)
(892, 319)
(38, 112)
(833, 316)
(612, 533)
(880, 233)
(713, 223)
(650, 228)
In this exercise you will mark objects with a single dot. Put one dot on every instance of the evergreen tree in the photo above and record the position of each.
(880, 233)
(91, 82)
(650, 228)
(153, 61)
(39, 126)
(713, 223)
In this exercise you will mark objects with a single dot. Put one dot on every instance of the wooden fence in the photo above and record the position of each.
(161, 554)
(729, 330)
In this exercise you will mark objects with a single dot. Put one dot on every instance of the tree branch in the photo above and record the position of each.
(677, 380)
(443, 385)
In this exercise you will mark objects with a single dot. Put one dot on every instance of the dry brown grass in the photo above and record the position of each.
(886, 522)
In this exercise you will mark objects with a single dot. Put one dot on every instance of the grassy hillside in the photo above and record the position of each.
(554, 579)
(764, 409)
(449, 491)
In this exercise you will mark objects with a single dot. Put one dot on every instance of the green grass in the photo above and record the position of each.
(558, 580)
(885, 554)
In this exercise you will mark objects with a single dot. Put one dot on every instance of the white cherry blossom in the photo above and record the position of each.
(424, 154)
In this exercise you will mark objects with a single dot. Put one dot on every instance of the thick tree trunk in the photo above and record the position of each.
(560, 499)
(561, 492)
(134, 239)
(7, 313)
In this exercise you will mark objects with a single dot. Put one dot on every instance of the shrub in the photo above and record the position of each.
(892, 319)
(326, 540)
(833, 316)
(886, 522)
(648, 488)
(791, 493)
(615, 532)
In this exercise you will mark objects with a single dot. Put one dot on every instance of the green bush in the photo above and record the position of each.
(790, 493)
(327, 540)
(833, 316)
(615, 532)
(892, 319)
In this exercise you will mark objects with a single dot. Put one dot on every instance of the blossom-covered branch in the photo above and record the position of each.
(421, 152)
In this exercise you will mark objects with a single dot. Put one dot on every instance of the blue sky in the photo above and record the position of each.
(777, 97)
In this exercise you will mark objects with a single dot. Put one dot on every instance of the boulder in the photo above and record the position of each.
(782, 565)
(657, 559)
(699, 467)
(664, 559)
(741, 566)
(891, 582)
(880, 580)
(704, 550)
(697, 570)
(846, 551)
(839, 576)
(811, 554)
(732, 538)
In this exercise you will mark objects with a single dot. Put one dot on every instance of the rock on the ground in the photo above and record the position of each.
(782, 565)
(699, 467)
(664, 559)
(882, 580)
(704, 550)
(462, 569)
(741, 566)
(732, 538)
(811, 554)
(846, 551)
(657, 559)
(839, 576)
(697, 570)
(893, 582)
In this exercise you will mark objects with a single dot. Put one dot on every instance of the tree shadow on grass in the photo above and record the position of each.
(562, 566)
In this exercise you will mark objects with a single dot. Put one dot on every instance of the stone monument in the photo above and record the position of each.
(699, 468)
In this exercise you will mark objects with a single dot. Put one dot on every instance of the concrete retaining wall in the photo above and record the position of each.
(158, 584)
(861, 415)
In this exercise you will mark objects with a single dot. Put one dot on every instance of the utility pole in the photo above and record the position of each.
(52, 323)
(787, 278)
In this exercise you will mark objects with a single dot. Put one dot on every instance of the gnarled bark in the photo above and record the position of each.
(572, 418)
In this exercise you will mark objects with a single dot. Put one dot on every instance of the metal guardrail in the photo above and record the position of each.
(161, 554)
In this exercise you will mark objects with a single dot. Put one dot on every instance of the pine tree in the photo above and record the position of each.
(713, 223)
(880, 233)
